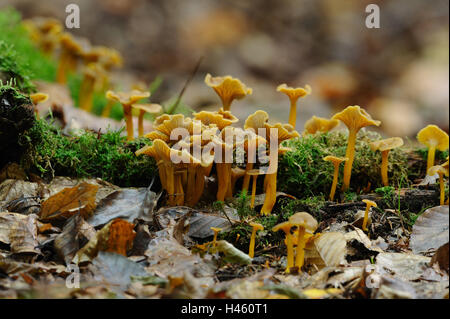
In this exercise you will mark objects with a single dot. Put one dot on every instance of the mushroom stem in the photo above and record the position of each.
(170, 183)
(271, 186)
(431, 155)
(384, 167)
(107, 109)
(293, 112)
(442, 188)
(366, 217)
(300, 257)
(141, 123)
(350, 154)
(246, 181)
(252, 203)
(335, 180)
(129, 121)
(251, 250)
(290, 251)
(224, 177)
(86, 93)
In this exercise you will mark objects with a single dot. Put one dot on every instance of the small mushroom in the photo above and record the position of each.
(336, 162)
(434, 138)
(305, 223)
(68, 60)
(150, 108)
(369, 204)
(127, 100)
(228, 89)
(320, 124)
(256, 227)
(216, 231)
(254, 173)
(294, 94)
(384, 146)
(286, 227)
(91, 74)
(37, 98)
(355, 118)
(221, 118)
(441, 171)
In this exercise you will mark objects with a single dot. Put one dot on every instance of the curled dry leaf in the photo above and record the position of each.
(430, 230)
(441, 257)
(332, 247)
(117, 236)
(232, 254)
(19, 231)
(403, 266)
(66, 243)
(69, 201)
(13, 189)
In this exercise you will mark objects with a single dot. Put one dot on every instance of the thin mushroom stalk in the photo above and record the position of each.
(441, 171)
(305, 223)
(251, 249)
(369, 204)
(336, 163)
(384, 167)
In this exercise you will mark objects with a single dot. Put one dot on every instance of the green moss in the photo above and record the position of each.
(19, 58)
(304, 173)
(440, 156)
(107, 156)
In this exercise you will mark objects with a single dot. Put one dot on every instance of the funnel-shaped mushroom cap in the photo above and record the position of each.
(127, 98)
(216, 229)
(257, 226)
(445, 165)
(305, 220)
(438, 169)
(387, 144)
(93, 70)
(294, 93)
(370, 203)
(38, 98)
(228, 88)
(221, 119)
(320, 124)
(69, 42)
(355, 118)
(432, 135)
(284, 131)
(285, 226)
(335, 159)
(151, 108)
(256, 120)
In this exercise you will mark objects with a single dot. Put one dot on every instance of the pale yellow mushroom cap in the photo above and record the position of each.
(221, 119)
(432, 135)
(284, 131)
(127, 98)
(69, 42)
(215, 229)
(305, 220)
(259, 120)
(256, 120)
(227, 87)
(294, 93)
(151, 108)
(386, 144)
(437, 169)
(355, 118)
(38, 98)
(335, 159)
(257, 226)
(320, 124)
(370, 203)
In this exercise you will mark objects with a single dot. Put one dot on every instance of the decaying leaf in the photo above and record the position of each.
(232, 254)
(430, 230)
(66, 243)
(117, 236)
(407, 267)
(12, 189)
(69, 201)
(20, 231)
(125, 204)
(441, 257)
(332, 248)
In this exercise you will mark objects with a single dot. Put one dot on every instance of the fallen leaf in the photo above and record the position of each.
(69, 201)
(441, 257)
(332, 247)
(19, 231)
(232, 254)
(66, 243)
(430, 230)
(13, 189)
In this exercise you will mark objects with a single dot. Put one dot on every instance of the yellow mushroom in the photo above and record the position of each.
(320, 124)
(305, 223)
(286, 227)
(255, 228)
(236, 173)
(127, 100)
(369, 204)
(254, 173)
(221, 118)
(228, 89)
(150, 108)
(37, 98)
(441, 171)
(336, 162)
(68, 60)
(91, 73)
(216, 231)
(434, 138)
(355, 118)
(294, 94)
(384, 146)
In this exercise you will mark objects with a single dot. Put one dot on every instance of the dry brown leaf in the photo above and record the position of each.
(69, 201)
(332, 248)
(20, 231)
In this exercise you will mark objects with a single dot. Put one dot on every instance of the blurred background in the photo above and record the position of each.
(399, 73)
